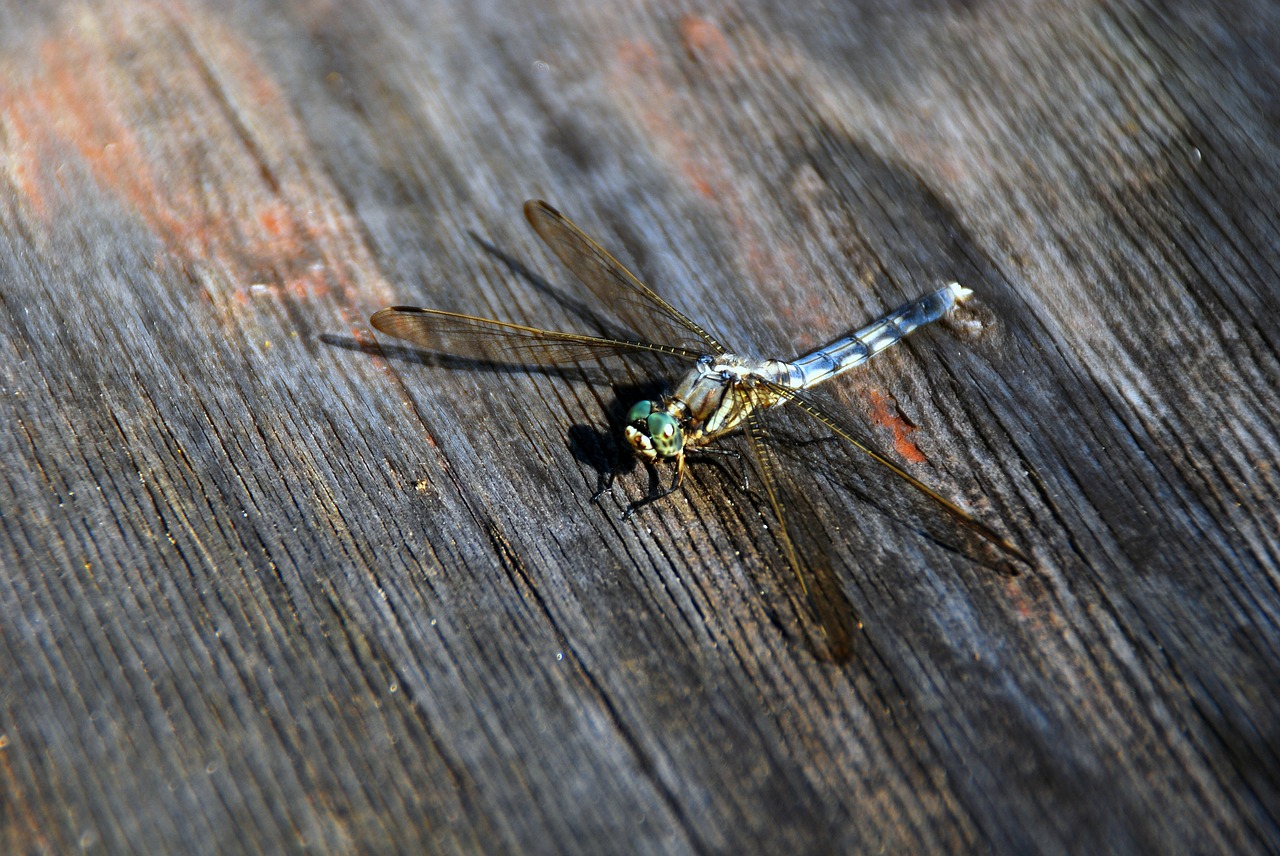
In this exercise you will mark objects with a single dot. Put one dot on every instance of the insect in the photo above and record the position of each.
(722, 393)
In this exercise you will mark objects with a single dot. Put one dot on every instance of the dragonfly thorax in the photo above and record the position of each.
(713, 399)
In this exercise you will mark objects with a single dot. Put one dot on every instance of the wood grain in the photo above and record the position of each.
(271, 583)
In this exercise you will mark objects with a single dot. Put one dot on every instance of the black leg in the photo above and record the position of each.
(728, 453)
(654, 491)
(605, 484)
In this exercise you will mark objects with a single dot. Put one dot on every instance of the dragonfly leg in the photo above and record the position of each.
(605, 484)
(656, 492)
(729, 453)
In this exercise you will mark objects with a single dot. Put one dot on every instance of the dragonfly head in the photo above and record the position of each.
(653, 432)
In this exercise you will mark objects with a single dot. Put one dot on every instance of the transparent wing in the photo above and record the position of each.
(629, 300)
(845, 432)
(502, 341)
(811, 566)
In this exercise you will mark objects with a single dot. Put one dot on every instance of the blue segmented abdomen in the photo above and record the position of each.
(844, 354)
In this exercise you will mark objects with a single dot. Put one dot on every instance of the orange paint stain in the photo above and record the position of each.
(637, 73)
(274, 220)
(704, 41)
(311, 284)
(700, 185)
(360, 333)
(1015, 593)
(638, 57)
(24, 164)
(124, 104)
(884, 412)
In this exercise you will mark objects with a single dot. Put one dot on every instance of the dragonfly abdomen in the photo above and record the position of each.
(851, 351)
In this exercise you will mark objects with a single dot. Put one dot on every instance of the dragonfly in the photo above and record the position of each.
(722, 393)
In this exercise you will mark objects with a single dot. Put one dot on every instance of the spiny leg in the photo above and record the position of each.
(655, 494)
(728, 453)
(605, 484)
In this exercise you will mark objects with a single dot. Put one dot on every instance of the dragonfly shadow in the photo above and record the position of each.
(830, 459)
(595, 323)
(601, 448)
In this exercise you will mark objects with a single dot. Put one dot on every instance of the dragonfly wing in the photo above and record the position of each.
(631, 301)
(502, 341)
(811, 566)
(844, 431)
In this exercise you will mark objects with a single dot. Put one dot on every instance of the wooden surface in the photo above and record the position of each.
(271, 583)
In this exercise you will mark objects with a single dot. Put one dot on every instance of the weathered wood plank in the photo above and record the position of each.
(270, 582)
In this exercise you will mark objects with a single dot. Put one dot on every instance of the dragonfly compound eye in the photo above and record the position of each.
(637, 429)
(640, 412)
(664, 431)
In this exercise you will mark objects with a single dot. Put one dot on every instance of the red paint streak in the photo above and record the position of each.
(884, 412)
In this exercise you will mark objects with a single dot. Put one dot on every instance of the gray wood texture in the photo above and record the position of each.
(271, 583)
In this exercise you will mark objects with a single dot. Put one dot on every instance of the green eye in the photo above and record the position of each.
(639, 412)
(665, 433)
